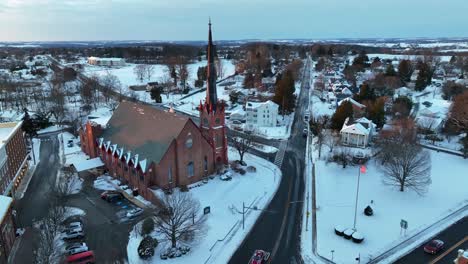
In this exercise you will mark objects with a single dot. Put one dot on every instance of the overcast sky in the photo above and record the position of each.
(68, 20)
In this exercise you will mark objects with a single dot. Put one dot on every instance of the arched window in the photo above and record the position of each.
(190, 169)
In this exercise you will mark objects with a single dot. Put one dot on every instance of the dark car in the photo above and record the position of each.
(259, 257)
(434, 246)
(107, 193)
(112, 198)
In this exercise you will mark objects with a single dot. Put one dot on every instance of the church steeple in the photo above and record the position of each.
(211, 94)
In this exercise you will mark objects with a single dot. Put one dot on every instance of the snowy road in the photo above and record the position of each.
(279, 232)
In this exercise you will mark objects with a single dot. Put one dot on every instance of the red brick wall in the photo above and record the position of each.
(15, 149)
(7, 233)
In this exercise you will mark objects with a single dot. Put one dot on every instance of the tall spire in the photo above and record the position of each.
(211, 94)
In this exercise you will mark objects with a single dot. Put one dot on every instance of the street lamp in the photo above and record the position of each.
(332, 251)
(251, 208)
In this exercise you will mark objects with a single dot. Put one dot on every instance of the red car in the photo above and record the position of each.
(259, 257)
(434, 246)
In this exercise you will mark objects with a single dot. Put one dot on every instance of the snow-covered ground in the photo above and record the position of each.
(335, 194)
(72, 154)
(224, 198)
(127, 77)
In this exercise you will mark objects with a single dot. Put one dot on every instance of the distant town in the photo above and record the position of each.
(252, 151)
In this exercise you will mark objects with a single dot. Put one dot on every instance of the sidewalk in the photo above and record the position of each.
(23, 187)
(22, 251)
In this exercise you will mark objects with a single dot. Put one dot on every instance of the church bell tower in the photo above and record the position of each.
(212, 111)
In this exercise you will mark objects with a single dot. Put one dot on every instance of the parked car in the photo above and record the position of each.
(74, 225)
(226, 177)
(112, 198)
(305, 132)
(107, 193)
(70, 143)
(77, 249)
(73, 234)
(75, 245)
(434, 246)
(134, 212)
(83, 257)
(259, 257)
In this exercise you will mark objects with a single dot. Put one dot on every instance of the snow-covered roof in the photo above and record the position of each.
(362, 126)
(351, 100)
(7, 130)
(105, 59)
(5, 203)
(88, 164)
(260, 104)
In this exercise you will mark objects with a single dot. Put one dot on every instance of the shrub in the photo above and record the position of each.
(146, 247)
(148, 226)
(184, 188)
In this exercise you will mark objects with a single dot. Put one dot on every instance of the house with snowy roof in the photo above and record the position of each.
(261, 114)
(357, 133)
(358, 108)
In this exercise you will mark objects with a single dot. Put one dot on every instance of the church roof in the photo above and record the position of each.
(143, 130)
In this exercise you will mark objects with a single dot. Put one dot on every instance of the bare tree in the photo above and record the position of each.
(220, 69)
(331, 139)
(109, 85)
(181, 218)
(140, 72)
(149, 71)
(407, 166)
(242, 145)
(58, 107)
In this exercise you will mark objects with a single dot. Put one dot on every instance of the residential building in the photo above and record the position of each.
(109, 62)
(358, 108)
(149, 149)
(13, 157)
(261, 114)
(7, 228)
(357, 133)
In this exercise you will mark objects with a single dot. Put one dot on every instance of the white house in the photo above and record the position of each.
(261, 114)
(106, 61)
(357, 133)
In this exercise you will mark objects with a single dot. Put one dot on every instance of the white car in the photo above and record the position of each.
(134, 212)
(76, 248)
(73, 234)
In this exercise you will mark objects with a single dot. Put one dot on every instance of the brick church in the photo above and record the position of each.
(151, 149)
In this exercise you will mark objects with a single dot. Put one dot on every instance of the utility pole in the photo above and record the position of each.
(363, 169)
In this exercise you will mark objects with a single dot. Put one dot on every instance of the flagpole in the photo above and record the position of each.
(357, 195)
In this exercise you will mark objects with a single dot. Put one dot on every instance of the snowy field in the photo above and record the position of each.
(128, 78)
(336, 189)
(224, 198)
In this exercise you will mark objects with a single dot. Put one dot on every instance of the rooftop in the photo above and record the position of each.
(143, 129)
(5, 203)
(6, 130)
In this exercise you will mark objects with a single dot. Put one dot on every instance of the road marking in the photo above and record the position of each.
(449, 250)
(280, 154)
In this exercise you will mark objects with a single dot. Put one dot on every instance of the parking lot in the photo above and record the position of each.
(105, 224)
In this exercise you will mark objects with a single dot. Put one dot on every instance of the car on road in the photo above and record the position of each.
(434, 246)
(305, 132)
(134, 212)
(259, 257)
(73, 234)
(77, 248)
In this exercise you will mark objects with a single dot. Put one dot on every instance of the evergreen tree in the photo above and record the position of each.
(284, 92)
(390, 71)
(365, 93)
(342, 112)
(249, 80)
(156, 94)
(405, 70)
(29, 126)
(376, 112)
